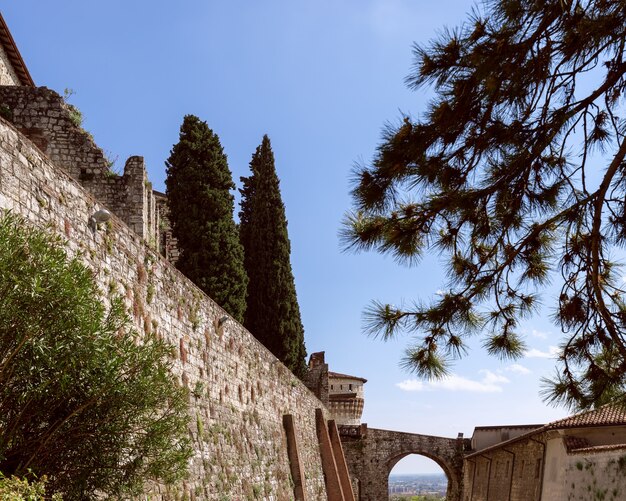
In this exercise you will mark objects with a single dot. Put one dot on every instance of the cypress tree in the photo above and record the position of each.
(272, 313)
(201, 214)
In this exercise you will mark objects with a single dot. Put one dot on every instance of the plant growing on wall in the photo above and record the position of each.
(517, 174)
(201, 214)
(76, 116)
(83, 400)
(272, 314)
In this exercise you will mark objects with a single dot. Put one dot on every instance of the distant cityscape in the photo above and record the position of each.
(427, 486)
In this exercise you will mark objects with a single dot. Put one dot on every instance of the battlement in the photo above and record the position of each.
(47, 120)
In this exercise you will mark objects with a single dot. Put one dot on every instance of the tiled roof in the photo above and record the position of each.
(14, 55)
(606, 415)
(575, 443)
(345, 376)
(599, 448)
(509, 427)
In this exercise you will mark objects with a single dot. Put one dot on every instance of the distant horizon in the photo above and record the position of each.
(442, 474)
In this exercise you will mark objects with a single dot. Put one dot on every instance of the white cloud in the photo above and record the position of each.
(490, 383)
(411, 385)
(539, 334)
(490, 377)
(552, 352)
(518, 369)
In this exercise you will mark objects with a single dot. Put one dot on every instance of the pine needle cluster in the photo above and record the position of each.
(516, 172)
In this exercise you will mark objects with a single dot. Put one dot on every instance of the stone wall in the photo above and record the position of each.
(595, 475)
(371, 454)
(346, 411)
(54, 126)
(239, 390)
(316, 378)
(513, 472)
(7, 74)
(596, 472)
(167, 245)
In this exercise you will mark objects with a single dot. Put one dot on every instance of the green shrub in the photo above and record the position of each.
(19, 489)
(83, 399)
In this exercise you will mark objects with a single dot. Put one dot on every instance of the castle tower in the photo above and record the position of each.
(346, 400)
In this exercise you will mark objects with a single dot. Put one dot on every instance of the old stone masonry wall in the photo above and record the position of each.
(239, 390)
(44, 117)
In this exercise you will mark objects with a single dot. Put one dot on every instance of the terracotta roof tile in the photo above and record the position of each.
(606, 415)
(346, 376)
(574, 443)
(14, 55)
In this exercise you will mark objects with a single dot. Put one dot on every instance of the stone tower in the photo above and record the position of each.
(345, 394)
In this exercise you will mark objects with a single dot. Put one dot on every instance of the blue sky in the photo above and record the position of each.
(321, 79)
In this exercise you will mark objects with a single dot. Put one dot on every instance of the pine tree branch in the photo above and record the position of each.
(596, 244)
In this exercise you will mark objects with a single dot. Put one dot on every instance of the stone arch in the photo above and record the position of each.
(372, 456)
(454, 477)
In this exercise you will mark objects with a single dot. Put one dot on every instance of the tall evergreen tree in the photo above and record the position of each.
(272, 314)
(517, 172)
(201, 214)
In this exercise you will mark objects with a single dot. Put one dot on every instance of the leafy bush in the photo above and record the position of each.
(19, 489)
(83, 399)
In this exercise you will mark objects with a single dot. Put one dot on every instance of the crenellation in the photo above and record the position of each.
(43, 116)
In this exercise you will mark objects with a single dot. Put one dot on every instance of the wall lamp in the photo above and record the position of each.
(101, 216)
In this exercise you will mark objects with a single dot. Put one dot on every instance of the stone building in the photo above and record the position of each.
(346, 398)
(257, 430)
(486, 436)
(579, 457)
(342, 394)
(54, 126)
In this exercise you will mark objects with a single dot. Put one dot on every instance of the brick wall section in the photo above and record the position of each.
(44, 117)
(239, 390)
(346, 411)
(514, 473)
(316, 379)
(167, 244)
(371, 458)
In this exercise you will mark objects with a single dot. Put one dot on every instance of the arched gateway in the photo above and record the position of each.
(371, 454)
